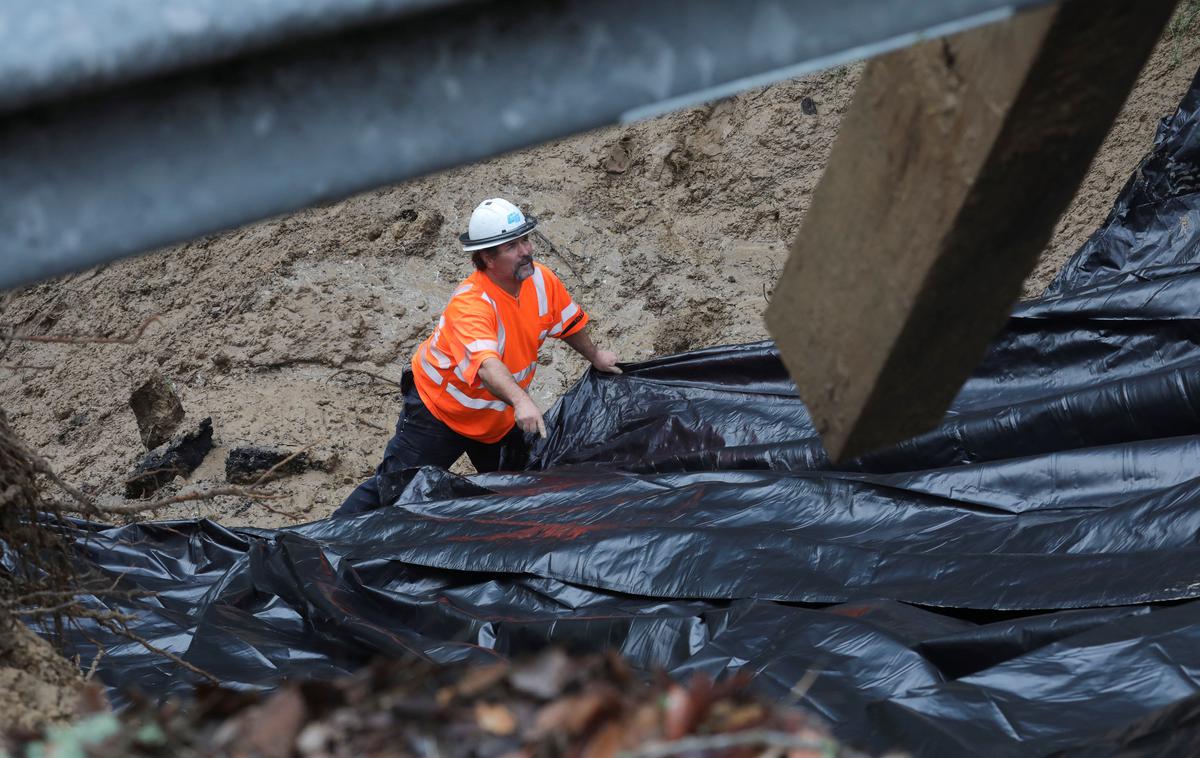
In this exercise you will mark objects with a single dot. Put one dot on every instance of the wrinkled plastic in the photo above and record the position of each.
(1023, 579)
(1154, 226)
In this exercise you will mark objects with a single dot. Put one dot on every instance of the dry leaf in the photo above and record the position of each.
(618, 668)
(543, 677)
(92, 699)
(677, 713)
(270, 729)
(727, 717)
(576, 713)
(645, 725)
(475, 681)
(480, 678)
(495, 719)
(605, 742)
(686, 708)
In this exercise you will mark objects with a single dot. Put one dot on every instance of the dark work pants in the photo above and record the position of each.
(420, 440)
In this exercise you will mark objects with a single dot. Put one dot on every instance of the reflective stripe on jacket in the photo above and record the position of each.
(483, 321)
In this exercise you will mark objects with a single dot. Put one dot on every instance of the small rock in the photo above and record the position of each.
(68, 435)
(315, 738)
(616, 160)
(808, 106)
(158, 411)
(179, 457)
(246, 464)
(417, 232)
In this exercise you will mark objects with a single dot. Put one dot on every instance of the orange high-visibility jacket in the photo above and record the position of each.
(483, 321)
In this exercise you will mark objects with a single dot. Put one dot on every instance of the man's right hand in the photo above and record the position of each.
(529, 417)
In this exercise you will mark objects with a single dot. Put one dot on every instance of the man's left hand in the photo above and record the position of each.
(606, 361)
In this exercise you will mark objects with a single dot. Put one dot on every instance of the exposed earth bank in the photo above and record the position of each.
(291, 332)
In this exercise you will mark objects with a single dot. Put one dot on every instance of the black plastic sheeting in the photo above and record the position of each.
(1021, 580)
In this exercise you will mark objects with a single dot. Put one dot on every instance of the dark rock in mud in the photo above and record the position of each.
(245, 465)
(179, 457)
(158, 411)
(415, 232)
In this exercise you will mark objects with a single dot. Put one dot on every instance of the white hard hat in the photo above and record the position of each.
(493, 222)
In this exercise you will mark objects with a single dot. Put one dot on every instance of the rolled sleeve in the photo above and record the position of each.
(570, 317)
(573, 322)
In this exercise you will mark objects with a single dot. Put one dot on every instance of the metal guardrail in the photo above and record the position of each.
(58, 48)
(126, 125)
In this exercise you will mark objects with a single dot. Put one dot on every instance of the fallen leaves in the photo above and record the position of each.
(546, 706)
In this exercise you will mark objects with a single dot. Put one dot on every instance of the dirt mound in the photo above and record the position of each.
(38, 687)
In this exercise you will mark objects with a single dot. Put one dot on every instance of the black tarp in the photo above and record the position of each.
(1022, 580)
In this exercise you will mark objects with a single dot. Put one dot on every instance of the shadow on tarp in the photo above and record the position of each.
(1024, 578)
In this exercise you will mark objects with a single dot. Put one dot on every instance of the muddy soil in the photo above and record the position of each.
(38, 687)
(292, 332)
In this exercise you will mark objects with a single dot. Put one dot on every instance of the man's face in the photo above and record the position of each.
(515, 258)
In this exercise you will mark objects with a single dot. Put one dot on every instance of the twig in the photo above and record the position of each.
(41, 466)
(364, 422)
(50, 610)
(801, 688)
(127, 508)
(152, 473)
(266, 475)
(74, 593)
(89, 505)
(91, 672)
(752, 737)
(99, 650)
(362, 371)
(124, 631)
(285, 514)
(117, 623)
(102, 617)
(544, 240)
(85, 339)
(186, 497)
(26, 367)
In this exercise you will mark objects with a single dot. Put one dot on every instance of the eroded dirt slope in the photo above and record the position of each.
(670, 232)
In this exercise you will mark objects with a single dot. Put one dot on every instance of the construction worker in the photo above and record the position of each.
(466, 390)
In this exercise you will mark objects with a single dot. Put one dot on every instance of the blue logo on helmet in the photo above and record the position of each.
(514, 217)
